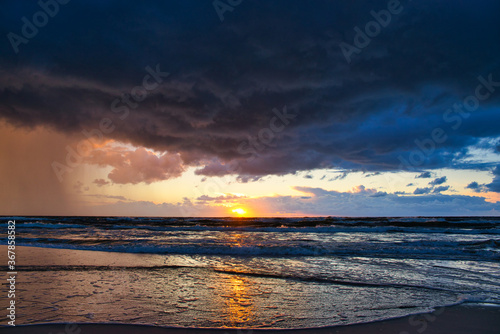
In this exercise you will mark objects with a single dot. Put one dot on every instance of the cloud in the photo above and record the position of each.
(371, 192)
(478, 188)
(473, 185)
(148, 208)
(101, 182)
(424, 175)
(79, 187)
(225, 80)
(495, 184)
(438, 181)
(422, 191)
(440, 189)
(361, 189)
(137, 166)
(341, 176)
(329, 202)
(314, 191)
(220, 199)
(379, 194)
(216, 168)
(322, 202)
(100, 196)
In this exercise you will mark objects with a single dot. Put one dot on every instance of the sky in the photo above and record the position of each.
(250, 108)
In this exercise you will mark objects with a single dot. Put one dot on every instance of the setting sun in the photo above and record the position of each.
(239, 211)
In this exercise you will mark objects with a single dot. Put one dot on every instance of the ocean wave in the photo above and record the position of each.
(41, 225)
(311, 222)
(337, 281)
(451, 252)
(281, 229)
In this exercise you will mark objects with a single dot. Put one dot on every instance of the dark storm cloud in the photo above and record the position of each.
(226, 78)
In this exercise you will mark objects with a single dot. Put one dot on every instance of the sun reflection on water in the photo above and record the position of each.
(236, 239)
(239, 301)
(238, 292)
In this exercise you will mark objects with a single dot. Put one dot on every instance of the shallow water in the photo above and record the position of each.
(279, 273)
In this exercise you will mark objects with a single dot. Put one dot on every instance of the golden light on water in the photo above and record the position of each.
(240, 308)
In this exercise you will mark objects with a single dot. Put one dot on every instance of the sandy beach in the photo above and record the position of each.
(477, 319)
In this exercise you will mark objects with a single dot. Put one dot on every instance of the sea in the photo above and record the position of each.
(251, 272)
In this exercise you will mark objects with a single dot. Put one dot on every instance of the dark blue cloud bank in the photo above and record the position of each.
(493, 186)
(369, 203)
(390, 107)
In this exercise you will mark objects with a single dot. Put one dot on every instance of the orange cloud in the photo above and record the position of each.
(137, 166)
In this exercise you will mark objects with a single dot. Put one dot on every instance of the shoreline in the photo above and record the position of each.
(39, 257)
(459, 319)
